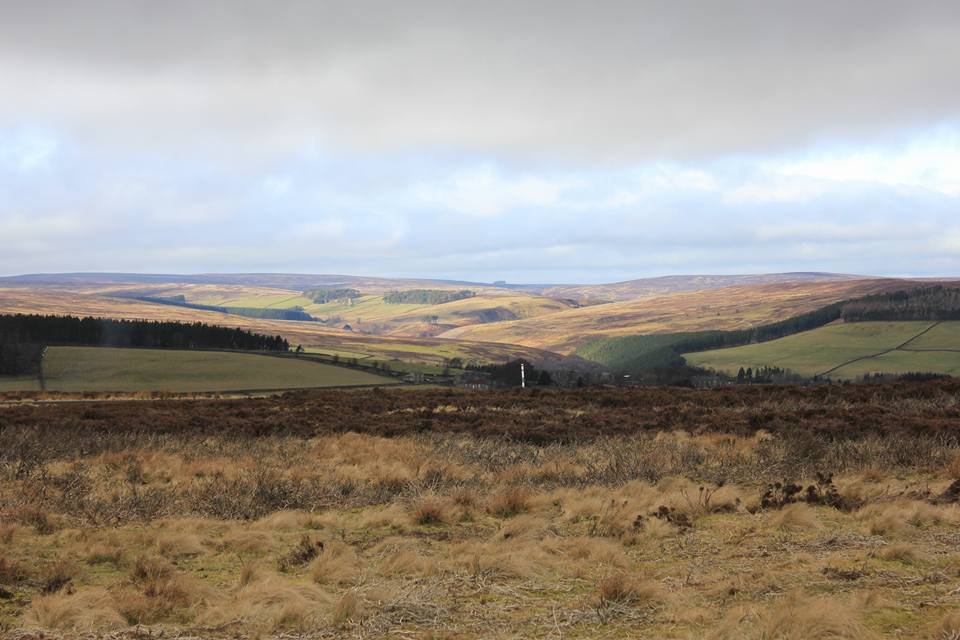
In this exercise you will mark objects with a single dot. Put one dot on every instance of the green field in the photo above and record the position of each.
(824, 350)
(108, 369)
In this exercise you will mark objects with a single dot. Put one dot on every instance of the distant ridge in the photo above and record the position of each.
(661, 285)
(291, 281)
(626, 290)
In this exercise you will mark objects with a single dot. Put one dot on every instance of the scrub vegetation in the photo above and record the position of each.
(745, 512)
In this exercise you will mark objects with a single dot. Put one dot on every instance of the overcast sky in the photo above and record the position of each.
(545, 141)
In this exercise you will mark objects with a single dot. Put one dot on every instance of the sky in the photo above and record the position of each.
(526, 141)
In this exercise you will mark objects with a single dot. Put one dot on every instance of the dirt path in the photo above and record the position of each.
(878, 354)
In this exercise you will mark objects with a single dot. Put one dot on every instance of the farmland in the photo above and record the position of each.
(101, 369)
(333, 340)
(865, 345)
(402, 513)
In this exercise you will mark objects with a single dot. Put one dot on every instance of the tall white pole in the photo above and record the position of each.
(523, 377)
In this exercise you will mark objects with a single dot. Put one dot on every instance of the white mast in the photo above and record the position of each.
(523, 377)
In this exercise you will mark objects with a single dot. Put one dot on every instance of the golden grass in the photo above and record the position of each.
(478, 538)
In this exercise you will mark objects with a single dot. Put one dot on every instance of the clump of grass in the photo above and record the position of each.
(948, 627)
(306, 550)
(87, 611)
(338, 564)
(103, 553)
(902, 516)
(58, 575)
(796, 516)
(37, 518)
(623, 589)
(904, 553)
(156, 592)
(820, 619)
(430, 509)
(348, 608)
(12, 571)
(509, 501)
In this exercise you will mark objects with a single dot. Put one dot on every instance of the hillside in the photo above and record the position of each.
(49, 300)
(737, 307)
(647, 287)
(848, 350)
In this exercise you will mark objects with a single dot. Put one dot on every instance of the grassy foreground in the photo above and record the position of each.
(409, 514)
(109, 369)
(862, 344)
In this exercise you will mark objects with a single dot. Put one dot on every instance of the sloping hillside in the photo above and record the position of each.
(647, 287)
(309, 334)
(735, 307)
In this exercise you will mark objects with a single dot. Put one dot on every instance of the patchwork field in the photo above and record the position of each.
(866, 346)
(103, 369)
(424, 514)
(52, 300)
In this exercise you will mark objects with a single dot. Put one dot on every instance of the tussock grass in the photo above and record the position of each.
(279, 532)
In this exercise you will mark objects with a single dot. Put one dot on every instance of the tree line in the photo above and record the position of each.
(927, 303)
(323, 296)
(25, 329)
(426, 296)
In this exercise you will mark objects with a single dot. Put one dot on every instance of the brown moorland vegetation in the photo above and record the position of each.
(823, 512)
(727, 308)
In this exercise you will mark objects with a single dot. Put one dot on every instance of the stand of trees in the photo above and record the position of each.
(19, 359)
(508, 374)
(426, 296)
(927, 303)
(22, 329)
(323, 296)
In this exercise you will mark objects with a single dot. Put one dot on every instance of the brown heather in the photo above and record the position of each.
(757, 513)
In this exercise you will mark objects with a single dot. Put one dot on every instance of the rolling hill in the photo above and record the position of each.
(665, 285)
(736, 307)
(83, 301)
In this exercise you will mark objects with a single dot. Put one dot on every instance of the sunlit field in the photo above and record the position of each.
(847, 351)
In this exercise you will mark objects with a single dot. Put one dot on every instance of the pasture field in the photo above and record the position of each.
(656, 513)
(109, 369)
(903, 361)
(825, 349)
(944, 336)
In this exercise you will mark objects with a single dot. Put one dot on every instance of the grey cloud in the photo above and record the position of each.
(610, 80)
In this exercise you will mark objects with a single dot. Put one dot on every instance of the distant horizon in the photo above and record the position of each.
(492, 282)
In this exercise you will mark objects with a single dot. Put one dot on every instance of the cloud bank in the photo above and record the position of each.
(532, 141)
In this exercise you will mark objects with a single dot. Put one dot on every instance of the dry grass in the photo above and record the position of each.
(430, 509)
(659, 534)
(509, 501)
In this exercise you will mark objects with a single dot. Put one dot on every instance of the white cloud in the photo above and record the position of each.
(484, 191)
